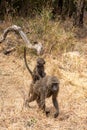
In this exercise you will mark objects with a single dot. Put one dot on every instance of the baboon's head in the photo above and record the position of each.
(40, 62)
(53, 83)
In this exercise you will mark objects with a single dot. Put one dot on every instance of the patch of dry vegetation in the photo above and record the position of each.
(15, 80)
(65, 58)
(57, 36)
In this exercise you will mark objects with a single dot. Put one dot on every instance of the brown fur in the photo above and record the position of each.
(42, 89)
(38, 71)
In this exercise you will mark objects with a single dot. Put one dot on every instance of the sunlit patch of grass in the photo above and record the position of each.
(51, 33)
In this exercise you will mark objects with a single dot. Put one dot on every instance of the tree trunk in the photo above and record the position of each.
(79, 15)
(2, 9)
(72, 8)
(65, 8)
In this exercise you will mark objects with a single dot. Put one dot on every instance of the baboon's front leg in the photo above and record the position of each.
(55, 103)
(42, 103)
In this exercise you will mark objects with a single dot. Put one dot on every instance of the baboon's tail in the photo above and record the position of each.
(25, 60)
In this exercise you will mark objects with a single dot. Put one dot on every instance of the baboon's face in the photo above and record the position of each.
(54, 87)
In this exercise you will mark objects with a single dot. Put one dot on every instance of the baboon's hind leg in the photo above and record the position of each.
(30, 99)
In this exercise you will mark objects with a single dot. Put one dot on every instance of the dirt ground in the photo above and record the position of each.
(72, 98)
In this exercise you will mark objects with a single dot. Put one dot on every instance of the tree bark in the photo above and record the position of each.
(65, 8)
(79, 15)
(2, 9)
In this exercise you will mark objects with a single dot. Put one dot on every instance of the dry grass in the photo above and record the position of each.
(15, 80)
(69, 67)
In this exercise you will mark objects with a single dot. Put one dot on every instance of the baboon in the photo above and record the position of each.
(38, 71)
(42, 89)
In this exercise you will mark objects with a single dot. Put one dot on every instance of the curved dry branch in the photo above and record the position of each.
(14, 28)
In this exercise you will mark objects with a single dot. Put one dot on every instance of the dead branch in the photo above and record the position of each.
(9, 50)
(14, 28)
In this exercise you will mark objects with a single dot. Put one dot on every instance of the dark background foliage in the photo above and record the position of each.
(29, 8)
